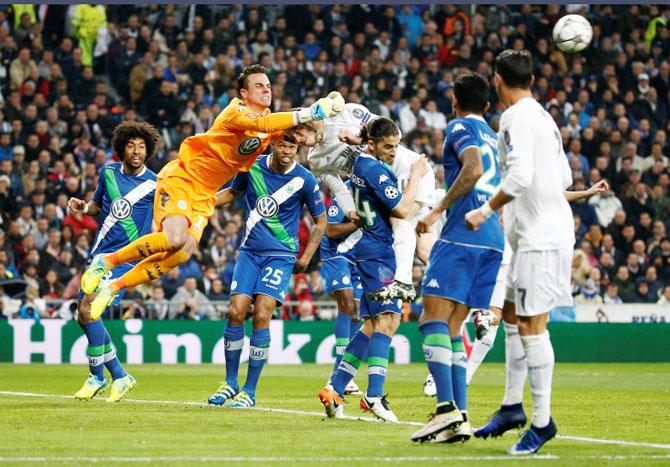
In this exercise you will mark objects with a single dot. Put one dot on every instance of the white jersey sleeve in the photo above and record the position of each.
(402, 164)
(332, 155)
(534, 173)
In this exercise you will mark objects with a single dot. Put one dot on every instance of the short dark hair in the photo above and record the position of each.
(128, 130)
(249, 70)
(472, 92)
(378, 129)
(515, 67)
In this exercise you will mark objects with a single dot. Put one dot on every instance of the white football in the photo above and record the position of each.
(572, 33)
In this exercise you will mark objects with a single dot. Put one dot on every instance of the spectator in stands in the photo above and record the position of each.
(190, 303)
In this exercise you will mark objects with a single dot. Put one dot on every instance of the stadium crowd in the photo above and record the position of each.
(69, 74)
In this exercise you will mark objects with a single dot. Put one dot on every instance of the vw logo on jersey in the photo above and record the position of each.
(266, 206)
(121, 208)
(249, 146)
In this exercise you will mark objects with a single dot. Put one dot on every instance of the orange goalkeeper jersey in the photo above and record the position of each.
(231, 145)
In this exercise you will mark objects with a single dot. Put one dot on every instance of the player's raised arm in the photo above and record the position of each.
(600, 187)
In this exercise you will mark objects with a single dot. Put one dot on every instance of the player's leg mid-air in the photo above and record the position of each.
(186, 186)
(124, 189)
(275, 191)
(469, 153)
(378, 198)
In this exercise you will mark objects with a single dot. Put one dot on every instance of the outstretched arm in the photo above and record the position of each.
(597, 188)
(465, 181)
(227, 196)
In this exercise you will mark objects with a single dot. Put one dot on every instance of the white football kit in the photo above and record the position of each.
(538, 223)
(331, 158)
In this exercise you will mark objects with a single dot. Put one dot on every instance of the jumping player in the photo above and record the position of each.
(185, 193)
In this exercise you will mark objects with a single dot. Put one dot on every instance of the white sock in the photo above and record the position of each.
(540, 359)
(516, 367)
(404, 245)
(480, 348)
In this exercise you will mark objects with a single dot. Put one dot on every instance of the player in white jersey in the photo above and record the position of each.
(539, 227)
(487, 321)
(333, 146)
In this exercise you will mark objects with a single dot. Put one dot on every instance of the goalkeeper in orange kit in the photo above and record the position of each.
(186, 189)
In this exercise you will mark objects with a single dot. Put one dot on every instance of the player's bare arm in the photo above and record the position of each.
(312, 244)
(418, 170)
(227, 196)
(79, 205)
(597, 188)
(464, 183)
(340, 230)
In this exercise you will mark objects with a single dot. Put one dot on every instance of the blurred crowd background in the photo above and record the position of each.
(69, 74)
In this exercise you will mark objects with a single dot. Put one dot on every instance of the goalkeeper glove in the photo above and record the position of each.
(325, 107)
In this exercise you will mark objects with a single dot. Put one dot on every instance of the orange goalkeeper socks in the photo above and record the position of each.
(150, 269)
(142, 248)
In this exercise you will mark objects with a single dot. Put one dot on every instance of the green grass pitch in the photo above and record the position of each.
(165, 421)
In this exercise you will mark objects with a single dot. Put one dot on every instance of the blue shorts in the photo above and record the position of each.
(115, 273)
(461, 274)
(375, 274)
(339, 274)
(267, 275)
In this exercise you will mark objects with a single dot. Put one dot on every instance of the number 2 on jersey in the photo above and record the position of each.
(487, 182)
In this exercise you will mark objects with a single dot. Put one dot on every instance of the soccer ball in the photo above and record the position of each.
(572, 33)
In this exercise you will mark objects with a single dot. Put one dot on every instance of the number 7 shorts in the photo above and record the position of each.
(265, 275)
(541, 280)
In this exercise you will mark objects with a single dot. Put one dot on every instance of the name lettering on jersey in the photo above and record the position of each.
(267, 206)
(457, 127)
(121, 209)
(249, 146)
(357, 180)
(489, 139)
(332, 211)
(383, 178)
(391, 192)
(483, 198)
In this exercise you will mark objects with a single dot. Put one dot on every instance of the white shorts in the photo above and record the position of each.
(500, 290)
(541, 280)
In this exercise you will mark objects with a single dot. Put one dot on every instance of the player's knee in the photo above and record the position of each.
(177, 238)
(387, 323)
(347, 305)
(236, 314)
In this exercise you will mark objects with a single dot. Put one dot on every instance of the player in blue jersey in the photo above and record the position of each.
(124, 200)
(463, 265)
(377, 198)
(275, 190)
(340, 276)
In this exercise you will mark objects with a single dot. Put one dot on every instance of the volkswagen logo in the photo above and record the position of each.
(121, 208)
(249, 146)
(266, 206)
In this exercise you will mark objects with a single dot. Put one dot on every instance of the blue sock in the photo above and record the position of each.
(258, 355)
(234, 341)
(459, 365)
(437, 351)
(354, 356)
(95, 333)
(111, 360)
(342, 326)
(378, 362)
